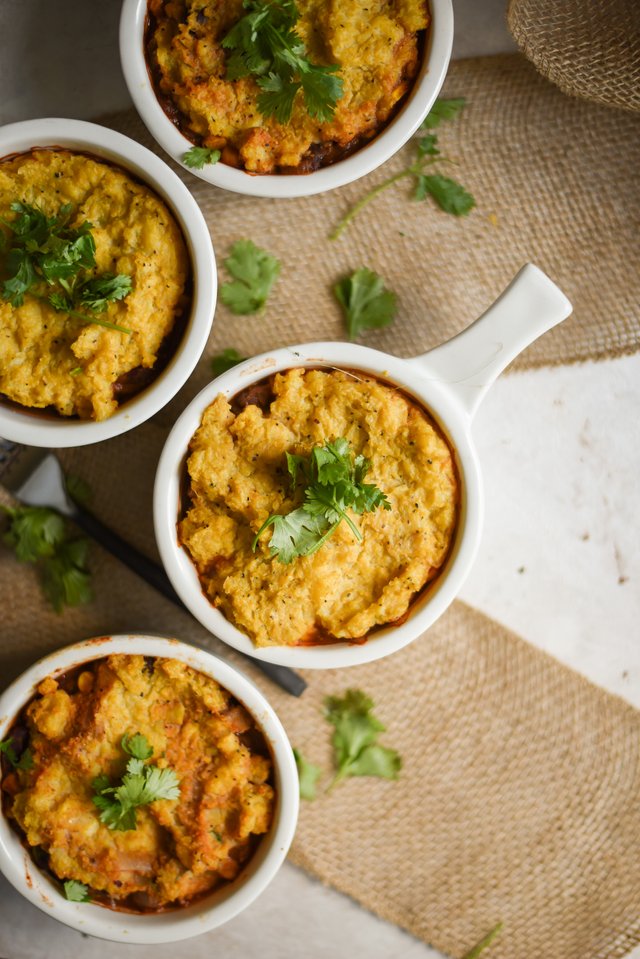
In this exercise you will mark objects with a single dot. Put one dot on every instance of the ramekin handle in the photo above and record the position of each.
(469, 363)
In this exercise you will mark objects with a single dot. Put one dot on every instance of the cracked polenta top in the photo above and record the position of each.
(237, 472)
(180, 848)
(375, 44)
(63, 360)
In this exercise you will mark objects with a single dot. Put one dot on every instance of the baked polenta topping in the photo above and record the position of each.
(305, 578)
(93, 279)
(147, 785)
(278, 86)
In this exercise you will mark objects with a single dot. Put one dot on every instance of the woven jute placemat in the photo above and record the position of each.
(556, 183)
(518, 795)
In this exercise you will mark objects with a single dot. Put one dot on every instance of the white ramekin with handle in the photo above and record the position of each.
(449, 381)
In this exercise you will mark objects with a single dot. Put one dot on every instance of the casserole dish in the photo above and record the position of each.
(201, 914)
(448, 382)
(431, 74)
(39, 427)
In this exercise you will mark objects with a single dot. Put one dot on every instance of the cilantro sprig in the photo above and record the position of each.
(140, 786)
(484, 943)
(225, 360)
(447, 193)
(39, 535)
(48, 259)
(308, 775)
(197, 157)
(365, 302)
(356, 749)
(264, 44)
(24, 761)
(76, 891)
(254, 271)
(333, 483)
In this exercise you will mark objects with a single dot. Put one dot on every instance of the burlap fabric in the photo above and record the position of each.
(590, 48)
(556, 182)
(518, 796)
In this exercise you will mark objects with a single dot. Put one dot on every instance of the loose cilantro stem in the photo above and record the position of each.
(448, 194)
(366, 199)
(484, 943)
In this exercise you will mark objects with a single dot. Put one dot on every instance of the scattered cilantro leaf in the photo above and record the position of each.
(77, 488)
(34, 532)
(443, 109)
(25, 761)
(225, 360)
(264, 44)
(65, 578)
(365, 301)
(197, 157)
(333, 483)
(39, 535)
(140, 786)
(308, 776)
(484, 943)
(356, 750)
(216, 834)
(254, 271)
(76, 891)
(44, 252)
(448, 194)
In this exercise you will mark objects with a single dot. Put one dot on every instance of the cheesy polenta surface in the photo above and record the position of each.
(375, 44)
(50, 359)
(180, 849)
(238, 478)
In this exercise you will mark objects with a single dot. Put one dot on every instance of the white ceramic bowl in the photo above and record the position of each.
(50, 431)
(449, 381)
(363, 161)
(221, 905)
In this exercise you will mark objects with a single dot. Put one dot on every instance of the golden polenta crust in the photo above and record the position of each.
(238, 475)
(374, 42)
(181, 848)
(135, 234)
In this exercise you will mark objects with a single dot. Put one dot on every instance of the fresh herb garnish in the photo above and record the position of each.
(484, 943)
(197, 157)
(78, 489)
(48, 259)
(24, 762)
(264, 44)
(225, 360)
(366, 304)
(76, 891)
(254, 271)
(333, 483)
(443, 109)
(356, 750)
(140, 786)
(216, 834)
(39, 535)
(449, 195)
(308, 775)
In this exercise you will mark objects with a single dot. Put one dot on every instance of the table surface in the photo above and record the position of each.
(559, 562)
